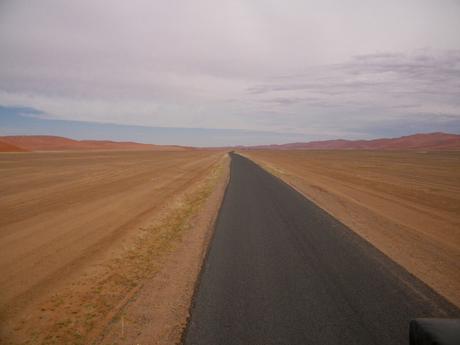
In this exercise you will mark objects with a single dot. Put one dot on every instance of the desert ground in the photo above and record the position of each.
(407, 204)
(81, 234)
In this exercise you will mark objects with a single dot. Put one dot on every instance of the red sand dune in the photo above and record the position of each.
(7, 147)
(54, 143)
(428, 141)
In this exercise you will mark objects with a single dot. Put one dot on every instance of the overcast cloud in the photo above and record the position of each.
(319, 69)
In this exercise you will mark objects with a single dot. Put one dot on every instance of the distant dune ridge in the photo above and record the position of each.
(55, 143)
(7, 147)
(425, 141)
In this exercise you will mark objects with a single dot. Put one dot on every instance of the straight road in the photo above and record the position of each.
(280, 270)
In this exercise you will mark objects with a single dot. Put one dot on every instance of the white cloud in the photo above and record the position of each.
(306, 64)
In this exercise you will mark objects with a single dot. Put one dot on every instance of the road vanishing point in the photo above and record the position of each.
(280, 270)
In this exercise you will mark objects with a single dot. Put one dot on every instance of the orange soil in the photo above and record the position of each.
(76, 234)
(407, 204)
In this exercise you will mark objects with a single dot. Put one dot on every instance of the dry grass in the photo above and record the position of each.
(100, 224)
(158, 313)
(406, 203)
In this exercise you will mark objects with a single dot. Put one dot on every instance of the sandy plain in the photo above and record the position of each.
(82, 232)
(407, 204)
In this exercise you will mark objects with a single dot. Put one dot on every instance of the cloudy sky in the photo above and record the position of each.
(229, 72)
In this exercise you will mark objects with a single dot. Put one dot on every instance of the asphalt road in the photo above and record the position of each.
(280, 270)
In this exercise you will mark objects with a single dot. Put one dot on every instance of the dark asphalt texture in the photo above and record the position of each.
(280, 270)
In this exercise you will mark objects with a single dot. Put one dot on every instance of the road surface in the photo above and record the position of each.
(280, 270)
